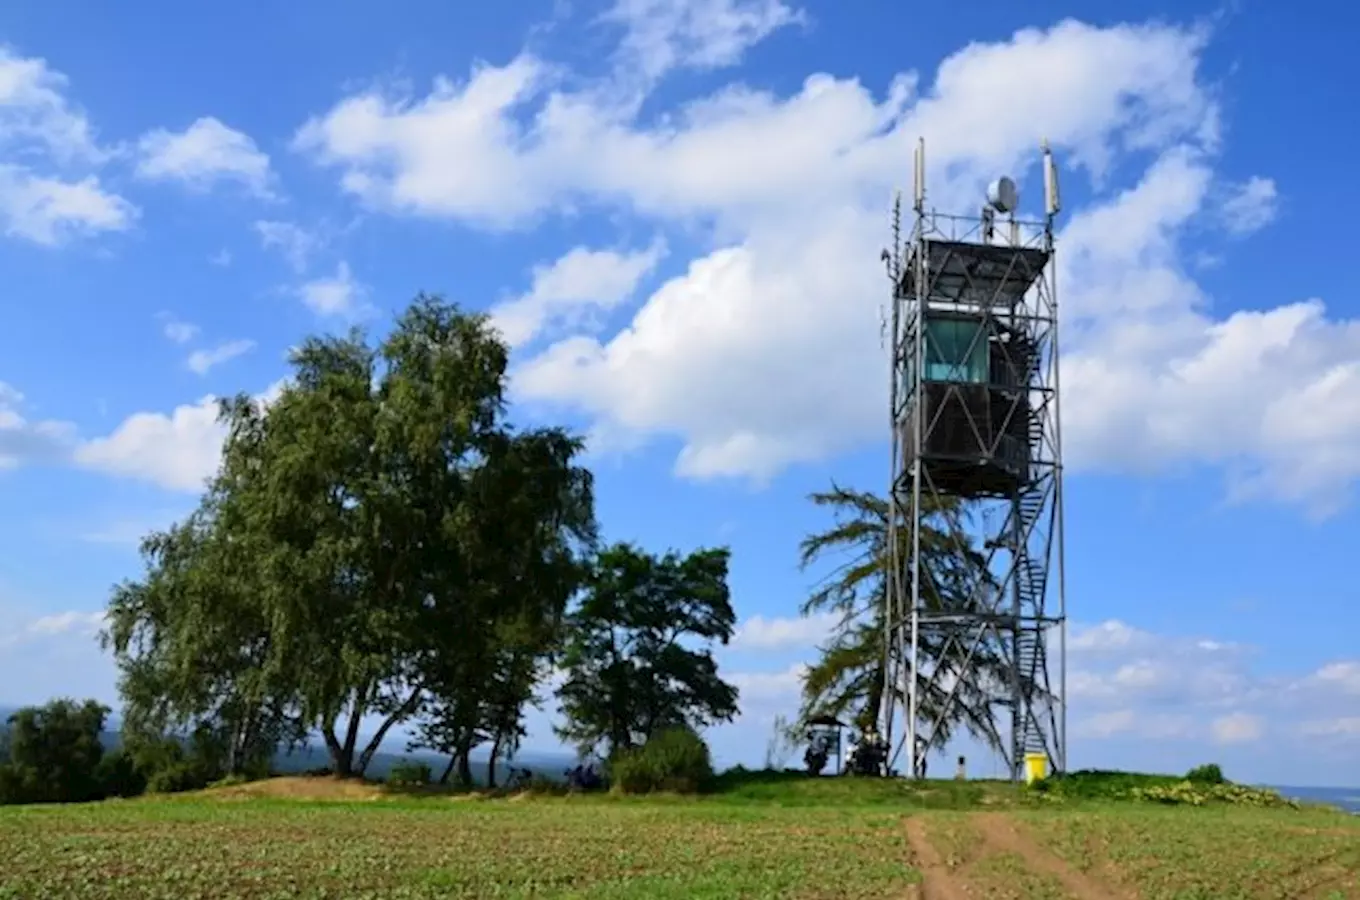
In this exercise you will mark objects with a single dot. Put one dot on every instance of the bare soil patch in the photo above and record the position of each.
(999, 833)
(939, 881)
(300, 787)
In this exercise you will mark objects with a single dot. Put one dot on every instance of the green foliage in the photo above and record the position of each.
(1207, 787)
(171, 763)
(674, 759)
(1098, 784)
(376, 543)
(1191, 793)
(638, 654)
(846, 682)
(118, 775)
(54, 753)
(1209, 773)
(409, 773)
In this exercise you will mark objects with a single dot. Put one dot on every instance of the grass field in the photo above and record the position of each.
(759, 838)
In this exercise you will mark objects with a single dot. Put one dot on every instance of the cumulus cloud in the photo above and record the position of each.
(34, 109)
(179, 451)
(720, 354)
(783, 633)
(202, 155)
(48, 191)
(1127, 682)
(573, 291)
(49, 211)
(335, 295)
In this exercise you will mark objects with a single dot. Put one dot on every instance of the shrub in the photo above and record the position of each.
(1206, 774)
(409, 773)
(675, 759)
(178, 777)
(119, 776)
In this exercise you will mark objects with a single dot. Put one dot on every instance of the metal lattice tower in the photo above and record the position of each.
(977, 471)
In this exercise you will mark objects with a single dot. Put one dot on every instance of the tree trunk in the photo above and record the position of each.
(448, 770)
(402, 712)
(339, 761)
(491, 763)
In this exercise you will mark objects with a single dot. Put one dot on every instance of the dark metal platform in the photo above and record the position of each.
(977, 275)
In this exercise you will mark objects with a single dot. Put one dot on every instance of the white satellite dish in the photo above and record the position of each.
(1002, 195)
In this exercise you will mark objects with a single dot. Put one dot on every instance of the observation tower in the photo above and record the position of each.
(975, 573)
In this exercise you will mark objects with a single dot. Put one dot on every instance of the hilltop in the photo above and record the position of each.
(755, 834)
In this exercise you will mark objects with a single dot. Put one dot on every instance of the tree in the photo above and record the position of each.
(367, 529)
(638, 655)
(193, 643)
(54, 753)
(848, 678)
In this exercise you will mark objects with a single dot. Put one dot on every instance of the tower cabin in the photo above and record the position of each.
(979, 357)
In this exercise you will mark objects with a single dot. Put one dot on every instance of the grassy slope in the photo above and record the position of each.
(759, 836)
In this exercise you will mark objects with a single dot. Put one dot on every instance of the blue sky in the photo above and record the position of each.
(674, 209)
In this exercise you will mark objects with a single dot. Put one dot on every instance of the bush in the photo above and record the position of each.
(177, 778)
(1206, 774)
(118, 775)
(675, 759)
(409, 773)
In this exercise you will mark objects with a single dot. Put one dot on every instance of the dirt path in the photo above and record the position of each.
(998, 832)
(939, 882)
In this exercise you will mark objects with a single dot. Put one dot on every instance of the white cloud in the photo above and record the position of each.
(48, 211)
(769, 690)
(1110, 635)
(778, 633)
(1344, 676)
(200, 361)
(52, 655)
(701, 34)
(295, 243)
(34, 109)
(1250, 206)
(1132, 723)
(128, 532)
(337, 295)
(179, 451)
(221, 258)
(1238, 728)
(177, 331)
(444, 155)
(64, 623)
(40, 129)
(1123, 681)
(720, 355)
(205, 153)
(23, 440)
(572, 290)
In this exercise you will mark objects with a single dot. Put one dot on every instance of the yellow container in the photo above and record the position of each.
(1036, 767)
